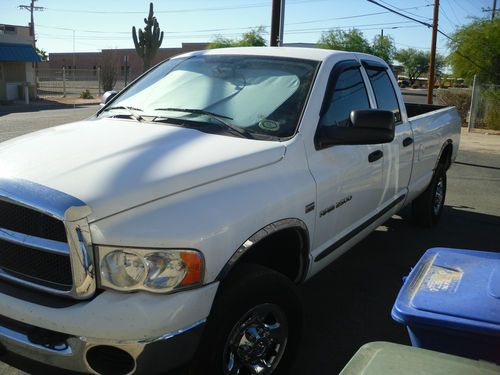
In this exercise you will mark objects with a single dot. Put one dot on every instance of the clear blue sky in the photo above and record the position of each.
(107, 24)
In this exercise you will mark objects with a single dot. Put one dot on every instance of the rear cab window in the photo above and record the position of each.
(383, 89)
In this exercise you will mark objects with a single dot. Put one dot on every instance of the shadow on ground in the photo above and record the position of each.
(349, 303)
(42, 105)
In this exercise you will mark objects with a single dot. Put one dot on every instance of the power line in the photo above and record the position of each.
(440, 32)
(413, 14)
(187, 10)
(446, 15)
(450, 5)
(401, 14)
(206, 36)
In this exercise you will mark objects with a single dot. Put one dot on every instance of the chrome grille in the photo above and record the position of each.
(33, 248)
(33, 265)
(24, 220)
(45, 241)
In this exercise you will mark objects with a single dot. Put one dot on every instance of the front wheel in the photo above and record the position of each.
(428, 207)
(254, 326)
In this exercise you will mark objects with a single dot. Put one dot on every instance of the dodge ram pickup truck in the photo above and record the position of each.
(171, 228)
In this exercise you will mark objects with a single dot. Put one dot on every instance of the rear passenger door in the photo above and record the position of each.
(398, 156)
(349, 182)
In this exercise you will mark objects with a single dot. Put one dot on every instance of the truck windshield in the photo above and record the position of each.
(259, 94)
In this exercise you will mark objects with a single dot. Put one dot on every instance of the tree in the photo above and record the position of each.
(148, 41)
(416, 62)
(383, 47)
(220, 42)
(42, 54)
(109, 74)
(352, 40)
(251, 38)
(475, 50)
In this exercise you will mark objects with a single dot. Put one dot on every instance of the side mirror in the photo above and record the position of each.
(368, 127)
(107, 96)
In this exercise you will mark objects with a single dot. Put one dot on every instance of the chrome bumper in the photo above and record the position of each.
(164, 353)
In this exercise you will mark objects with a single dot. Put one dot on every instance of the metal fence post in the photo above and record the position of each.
(99, 80)
(473, 105)
(64, 81)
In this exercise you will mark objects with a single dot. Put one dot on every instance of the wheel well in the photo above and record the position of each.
(445, 158)
(284, 251)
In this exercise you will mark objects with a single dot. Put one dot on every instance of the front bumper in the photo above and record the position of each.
(132, 330)
(100, 356)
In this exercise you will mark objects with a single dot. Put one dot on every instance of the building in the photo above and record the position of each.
(121, 58)
(17, 62)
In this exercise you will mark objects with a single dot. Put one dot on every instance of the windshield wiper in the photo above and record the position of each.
(130, 110)
(215, 116)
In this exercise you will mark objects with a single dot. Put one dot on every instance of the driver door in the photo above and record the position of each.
(348, 177)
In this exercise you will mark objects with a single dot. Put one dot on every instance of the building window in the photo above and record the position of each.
(5, 29)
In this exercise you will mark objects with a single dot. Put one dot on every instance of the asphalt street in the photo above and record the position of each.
(349, 303)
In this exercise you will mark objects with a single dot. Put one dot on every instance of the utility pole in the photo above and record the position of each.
(493, 10)
(31, 8)
(432, 60)
(382, 33)
(277, 23)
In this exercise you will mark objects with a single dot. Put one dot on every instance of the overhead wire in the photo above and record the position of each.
(440, 32)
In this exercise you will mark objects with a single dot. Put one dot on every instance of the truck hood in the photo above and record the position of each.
(113, 165)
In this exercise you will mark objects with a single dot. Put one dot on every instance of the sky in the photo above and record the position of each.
(92, 25)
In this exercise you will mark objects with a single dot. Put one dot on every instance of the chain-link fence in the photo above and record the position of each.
(74, 82)
(479, 105)
(485, 106)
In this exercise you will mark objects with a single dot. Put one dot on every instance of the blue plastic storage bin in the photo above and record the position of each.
(450, 303)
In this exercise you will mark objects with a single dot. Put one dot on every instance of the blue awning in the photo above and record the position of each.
(18, 52)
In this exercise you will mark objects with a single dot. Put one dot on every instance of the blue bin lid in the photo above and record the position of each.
(452, 288)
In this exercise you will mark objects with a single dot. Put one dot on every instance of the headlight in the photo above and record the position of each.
(158, 271)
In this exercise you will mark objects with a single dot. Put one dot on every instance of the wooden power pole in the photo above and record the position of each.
(277, 23)
(432, 60)
(31, 8)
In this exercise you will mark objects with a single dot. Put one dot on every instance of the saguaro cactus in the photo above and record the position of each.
(148, 41)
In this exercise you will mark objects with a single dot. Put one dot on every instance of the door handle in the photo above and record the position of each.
(375, 155)
(407, 141)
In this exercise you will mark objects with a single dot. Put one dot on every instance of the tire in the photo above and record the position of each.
(254, 303)
(428, 207)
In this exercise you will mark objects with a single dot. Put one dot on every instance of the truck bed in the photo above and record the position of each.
(414, 109)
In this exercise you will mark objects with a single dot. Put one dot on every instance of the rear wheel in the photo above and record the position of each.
(254, 325)
(428, 207)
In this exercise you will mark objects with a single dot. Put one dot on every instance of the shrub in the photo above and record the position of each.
(492, 108)
(85, 94)
(458, 98)
(108, 75)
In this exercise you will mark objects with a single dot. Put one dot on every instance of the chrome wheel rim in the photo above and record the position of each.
(438, 196)
(257, 342)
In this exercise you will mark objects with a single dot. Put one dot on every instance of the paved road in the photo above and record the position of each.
(15, 124)
(349, 303)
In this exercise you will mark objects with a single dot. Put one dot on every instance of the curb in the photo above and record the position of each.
(6, 109)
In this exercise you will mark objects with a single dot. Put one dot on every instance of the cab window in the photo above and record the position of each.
(384, 91)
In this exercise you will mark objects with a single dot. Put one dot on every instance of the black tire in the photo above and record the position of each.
(428, 207)
(249, 291)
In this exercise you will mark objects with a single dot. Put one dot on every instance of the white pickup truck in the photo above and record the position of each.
(172, 227)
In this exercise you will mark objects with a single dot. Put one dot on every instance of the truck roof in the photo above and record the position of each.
(317, 54)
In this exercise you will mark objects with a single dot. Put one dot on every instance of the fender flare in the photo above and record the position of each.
(445, 144)
(261, 234)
